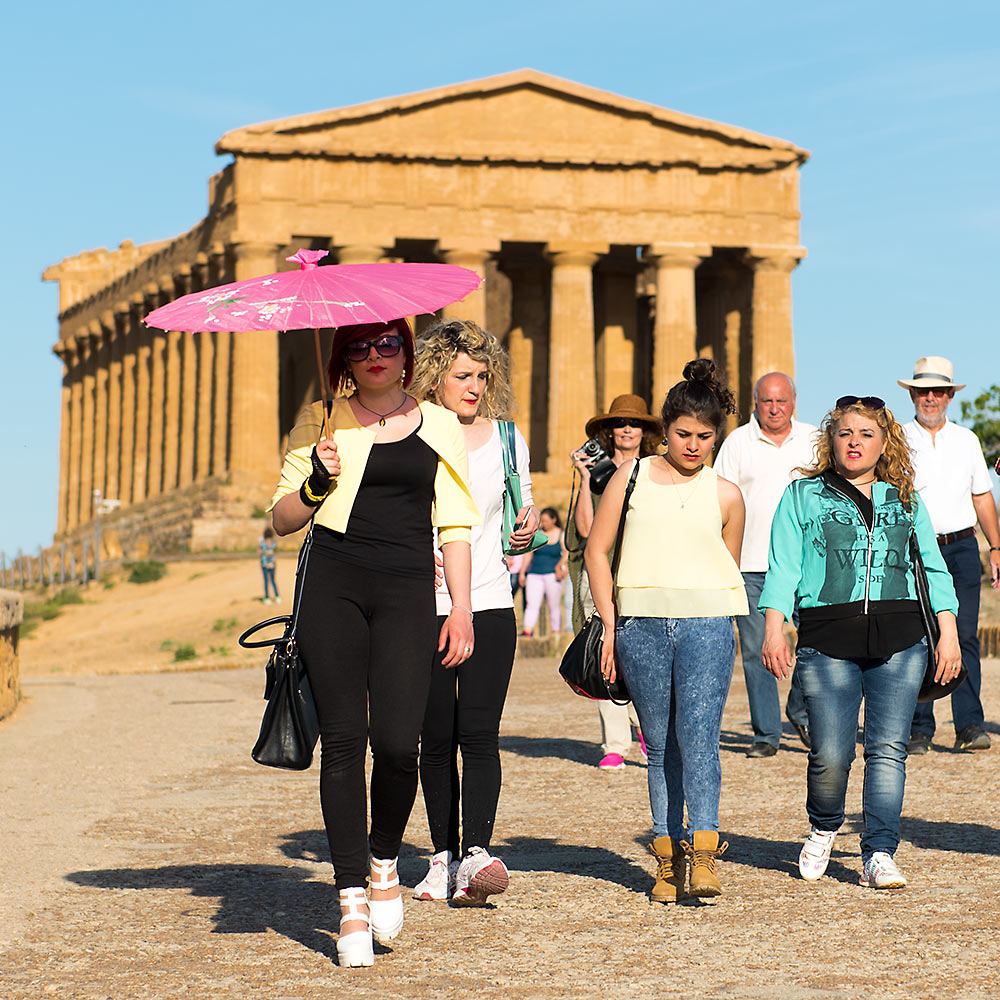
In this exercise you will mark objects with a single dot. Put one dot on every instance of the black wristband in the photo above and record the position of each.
(317, 487)
(308, 498)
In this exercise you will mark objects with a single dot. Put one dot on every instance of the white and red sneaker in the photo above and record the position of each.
(479, 875)
(439, 882)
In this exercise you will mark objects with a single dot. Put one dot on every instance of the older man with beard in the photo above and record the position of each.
(954, 483)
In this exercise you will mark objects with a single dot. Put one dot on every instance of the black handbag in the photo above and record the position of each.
(581, 663)
(930, 690)
(290, 727)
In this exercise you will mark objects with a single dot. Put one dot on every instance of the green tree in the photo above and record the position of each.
(982, 416)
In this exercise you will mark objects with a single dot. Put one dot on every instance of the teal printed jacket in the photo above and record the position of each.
(822, 552)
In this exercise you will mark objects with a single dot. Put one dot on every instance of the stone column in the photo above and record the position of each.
(772, 345)
(101, 375)
(674, 328)
(473, 306)
(143, 341)
(528, 349)
(222, 380)
(87, 430)
(189, 408)
(113, 336)
(616, 337)
(123, 313)
(206, 375)
(65, 353)
(572, 383)
(171, 409)
(157, 409)
(253, 457)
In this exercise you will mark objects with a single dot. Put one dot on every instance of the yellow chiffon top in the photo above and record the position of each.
(674, 563)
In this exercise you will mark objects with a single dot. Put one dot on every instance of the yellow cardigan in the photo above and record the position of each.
(453, 511)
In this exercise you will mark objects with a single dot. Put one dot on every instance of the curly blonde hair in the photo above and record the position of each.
(442, 344)
(894, 465)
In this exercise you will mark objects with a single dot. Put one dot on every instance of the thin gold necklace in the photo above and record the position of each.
(683, 501)
(375, 413)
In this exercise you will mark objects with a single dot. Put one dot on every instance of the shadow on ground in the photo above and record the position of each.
(966, 838)
(251, 898)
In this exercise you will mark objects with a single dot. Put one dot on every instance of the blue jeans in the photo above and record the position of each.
(833, 691)
(268, 572)
(762, 685)
(678, 671)
(962, 560)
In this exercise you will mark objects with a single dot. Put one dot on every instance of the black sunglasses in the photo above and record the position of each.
(870, 402)
(620, 423)
(387, 346)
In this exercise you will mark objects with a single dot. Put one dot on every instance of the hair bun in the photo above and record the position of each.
(699, 370)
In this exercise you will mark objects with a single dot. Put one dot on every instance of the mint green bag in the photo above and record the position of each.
(512, 493)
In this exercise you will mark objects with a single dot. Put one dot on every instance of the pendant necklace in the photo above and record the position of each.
(683, 501)
(375, 413)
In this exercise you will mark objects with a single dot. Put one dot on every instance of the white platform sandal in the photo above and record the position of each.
(386, 914)
(355, 949)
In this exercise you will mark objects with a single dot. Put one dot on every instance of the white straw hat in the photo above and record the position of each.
(931, 373)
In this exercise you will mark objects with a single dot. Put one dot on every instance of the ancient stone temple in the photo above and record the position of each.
(617, 240)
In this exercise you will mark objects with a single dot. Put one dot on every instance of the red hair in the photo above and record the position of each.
(337, 370)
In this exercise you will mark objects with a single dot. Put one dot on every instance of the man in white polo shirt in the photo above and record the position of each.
(760, 457)
(951, 475)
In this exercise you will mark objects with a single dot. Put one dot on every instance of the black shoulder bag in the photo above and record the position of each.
(581, 663)
(930, 690)
(290, 728)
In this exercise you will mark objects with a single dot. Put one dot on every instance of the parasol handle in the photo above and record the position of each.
(323, 387)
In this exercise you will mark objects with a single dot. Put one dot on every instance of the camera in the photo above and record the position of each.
(601, 466)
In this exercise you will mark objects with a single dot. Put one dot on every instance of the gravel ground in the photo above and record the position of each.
(148, 857)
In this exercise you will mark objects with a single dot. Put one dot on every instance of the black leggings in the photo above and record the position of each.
(463, 710)
(367, 639)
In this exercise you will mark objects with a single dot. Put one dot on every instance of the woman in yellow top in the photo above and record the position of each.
(391, 471)
(670, 611)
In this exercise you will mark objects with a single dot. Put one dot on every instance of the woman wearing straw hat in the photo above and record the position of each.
(626, 432)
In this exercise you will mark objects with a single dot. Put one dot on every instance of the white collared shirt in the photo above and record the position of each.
(762, 469)
(948, 470)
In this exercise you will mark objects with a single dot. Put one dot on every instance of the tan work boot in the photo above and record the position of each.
(671, 870)
(702, 855)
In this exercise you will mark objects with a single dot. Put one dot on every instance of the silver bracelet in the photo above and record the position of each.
(458, 607)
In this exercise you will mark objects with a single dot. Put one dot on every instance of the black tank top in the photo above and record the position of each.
(390, 524)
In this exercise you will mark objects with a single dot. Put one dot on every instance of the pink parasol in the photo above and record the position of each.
(314, 297)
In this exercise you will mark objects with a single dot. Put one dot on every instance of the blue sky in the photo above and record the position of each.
(112, 111)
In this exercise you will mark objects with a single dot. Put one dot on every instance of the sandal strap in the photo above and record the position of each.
(383, 873)
(350, 900)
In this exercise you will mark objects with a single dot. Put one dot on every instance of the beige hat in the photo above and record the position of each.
(931, 373)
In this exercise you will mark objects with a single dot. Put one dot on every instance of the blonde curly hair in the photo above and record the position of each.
(442, 344)
(894, 465)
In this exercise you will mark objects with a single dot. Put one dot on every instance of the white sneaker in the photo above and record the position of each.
(439, 882)
(479, 875)
(815, 854)
(880, 872)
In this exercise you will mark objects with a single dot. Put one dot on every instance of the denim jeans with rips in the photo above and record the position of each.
(833, 691)
(678, 671)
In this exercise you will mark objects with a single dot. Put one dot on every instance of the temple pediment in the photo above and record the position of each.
(524, 116)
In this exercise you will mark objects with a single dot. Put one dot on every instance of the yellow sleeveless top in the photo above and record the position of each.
(674, 563)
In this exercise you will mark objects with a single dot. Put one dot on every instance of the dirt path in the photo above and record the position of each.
(147, 857)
